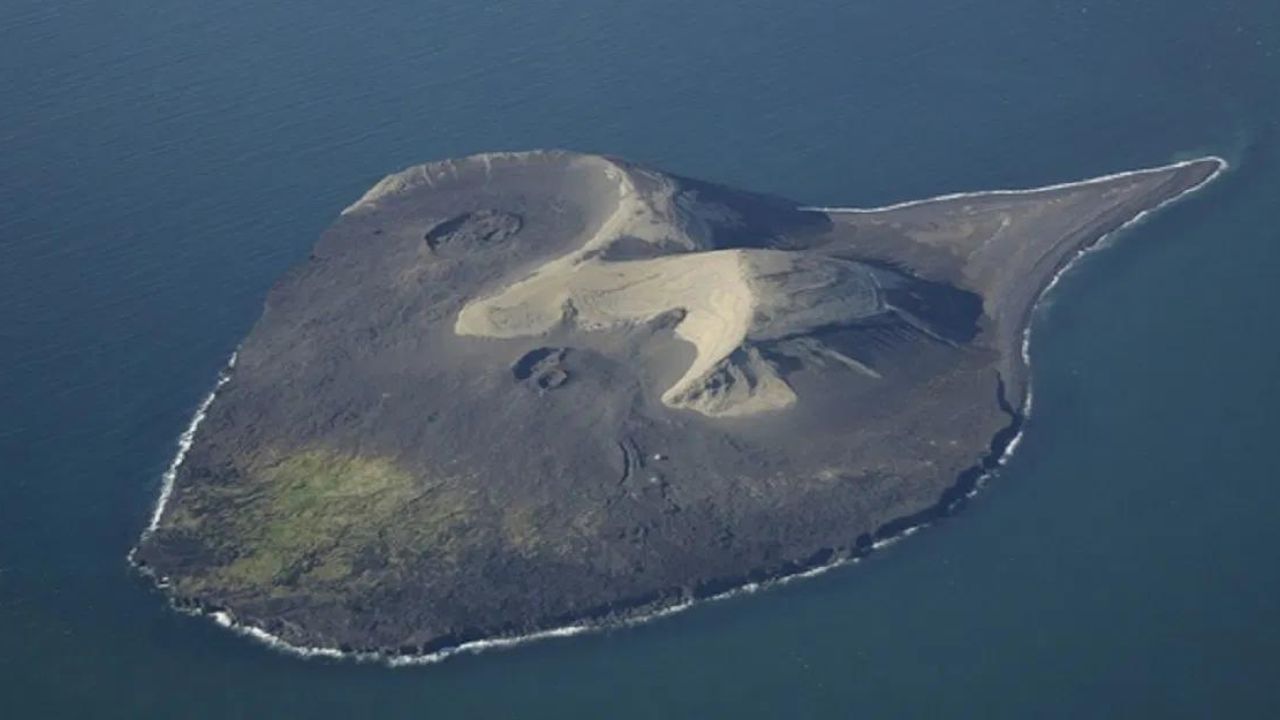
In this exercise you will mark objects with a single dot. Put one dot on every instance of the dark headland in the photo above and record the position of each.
(517, 391)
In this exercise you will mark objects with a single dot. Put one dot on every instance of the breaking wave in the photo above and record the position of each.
(184, 444)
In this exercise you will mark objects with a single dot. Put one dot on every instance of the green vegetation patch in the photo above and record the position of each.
(317, 518)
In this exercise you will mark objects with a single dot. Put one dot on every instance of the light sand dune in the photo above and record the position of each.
(727, 298)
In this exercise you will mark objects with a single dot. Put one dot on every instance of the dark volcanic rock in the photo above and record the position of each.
(513, 391)
(469, 228)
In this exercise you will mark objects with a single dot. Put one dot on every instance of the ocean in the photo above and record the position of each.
(162, 163)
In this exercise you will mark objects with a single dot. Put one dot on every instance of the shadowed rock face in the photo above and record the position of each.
(516, 390)
(466, 230)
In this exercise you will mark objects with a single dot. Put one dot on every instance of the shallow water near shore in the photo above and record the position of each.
(164, 163)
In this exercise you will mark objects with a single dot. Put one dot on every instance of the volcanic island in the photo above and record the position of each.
(517, 392)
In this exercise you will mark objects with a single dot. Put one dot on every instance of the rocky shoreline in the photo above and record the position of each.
(633, 612)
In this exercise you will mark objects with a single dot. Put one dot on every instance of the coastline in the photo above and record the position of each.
(184, 444)
(1222, 165)
(967, 485)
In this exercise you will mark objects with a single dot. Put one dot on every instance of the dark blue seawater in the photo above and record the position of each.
(162, 162)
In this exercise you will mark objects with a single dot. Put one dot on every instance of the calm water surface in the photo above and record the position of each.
(162, 162)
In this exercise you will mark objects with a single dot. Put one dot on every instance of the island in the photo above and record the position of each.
(517, 394)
